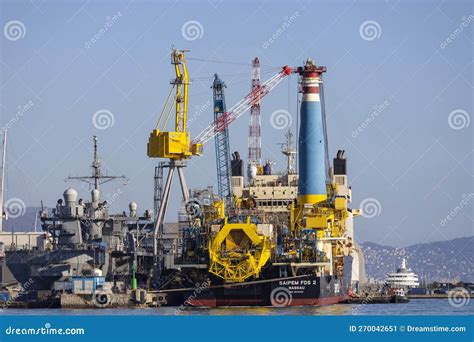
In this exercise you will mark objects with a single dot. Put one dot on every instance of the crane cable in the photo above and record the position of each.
(216, 61)
(164, 107)
(241, 74)
(169, 112)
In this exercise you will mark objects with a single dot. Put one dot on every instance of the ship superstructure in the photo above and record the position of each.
(404, 277)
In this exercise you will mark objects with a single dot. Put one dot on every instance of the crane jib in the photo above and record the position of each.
(241, 107)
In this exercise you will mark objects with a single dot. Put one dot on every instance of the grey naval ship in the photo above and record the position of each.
(82, 238)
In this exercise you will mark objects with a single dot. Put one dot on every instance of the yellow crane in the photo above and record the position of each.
(177, 145)
(174, 145)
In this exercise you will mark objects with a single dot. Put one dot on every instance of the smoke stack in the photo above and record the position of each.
(311, 157)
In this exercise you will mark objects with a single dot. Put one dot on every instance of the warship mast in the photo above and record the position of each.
(96, 179)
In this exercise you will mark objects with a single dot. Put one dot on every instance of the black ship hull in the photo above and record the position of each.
(304, 290)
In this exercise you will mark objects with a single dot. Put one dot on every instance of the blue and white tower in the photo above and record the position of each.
(312, 149)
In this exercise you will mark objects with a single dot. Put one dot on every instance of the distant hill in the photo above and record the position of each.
(436, 261)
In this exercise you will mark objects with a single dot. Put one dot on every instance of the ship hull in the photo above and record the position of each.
(305, 290)
(38, 270)
(295, 302)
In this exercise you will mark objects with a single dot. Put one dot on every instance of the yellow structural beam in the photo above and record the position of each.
(176, 144)
(182, 82)
(172, 145)
(311, 199)
(238, 252)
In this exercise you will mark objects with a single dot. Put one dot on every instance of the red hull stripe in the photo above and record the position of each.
(254, 302)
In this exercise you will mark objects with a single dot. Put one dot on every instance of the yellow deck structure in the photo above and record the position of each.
(237, 252)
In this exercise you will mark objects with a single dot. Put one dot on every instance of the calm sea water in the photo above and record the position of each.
(414, 307)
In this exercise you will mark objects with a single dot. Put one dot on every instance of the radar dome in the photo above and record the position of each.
(133, 206)
(70, 195)
(95, 195)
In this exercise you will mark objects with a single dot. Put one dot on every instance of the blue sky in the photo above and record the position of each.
(398, 89)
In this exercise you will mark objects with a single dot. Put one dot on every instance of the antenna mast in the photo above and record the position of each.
(96, 179)
(2, 182)
(290, 152)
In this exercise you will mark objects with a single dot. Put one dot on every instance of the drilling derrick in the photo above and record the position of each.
(255, 139)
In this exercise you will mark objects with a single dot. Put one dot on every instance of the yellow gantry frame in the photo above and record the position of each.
(238, 263)
(173, 145)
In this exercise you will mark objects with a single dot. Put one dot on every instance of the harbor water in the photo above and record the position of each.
(414, 307)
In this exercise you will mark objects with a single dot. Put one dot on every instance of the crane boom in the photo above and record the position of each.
(240, 108)
(224, 173)
(173, 145)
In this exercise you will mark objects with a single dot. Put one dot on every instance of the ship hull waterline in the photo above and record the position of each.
(303, 291)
